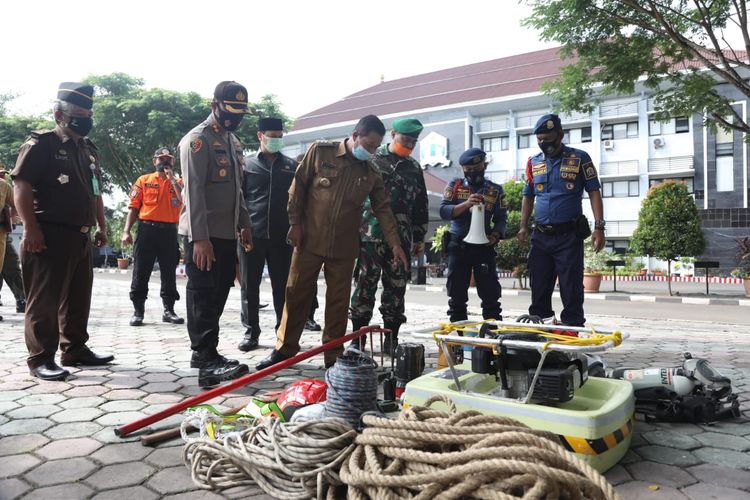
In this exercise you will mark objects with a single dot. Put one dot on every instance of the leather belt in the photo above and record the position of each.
(158, 224)
(555, 228)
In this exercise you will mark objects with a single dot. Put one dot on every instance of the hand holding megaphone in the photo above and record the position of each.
(475, 199)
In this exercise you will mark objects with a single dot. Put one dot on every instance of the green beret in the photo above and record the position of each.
(407, 126)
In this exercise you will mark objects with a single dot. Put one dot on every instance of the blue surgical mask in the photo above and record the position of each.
(361, 153)
(274, 144)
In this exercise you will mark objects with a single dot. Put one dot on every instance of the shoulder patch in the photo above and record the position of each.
(589, 171)
(196, 145)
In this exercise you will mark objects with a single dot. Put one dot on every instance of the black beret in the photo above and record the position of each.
(233, 96)
(472, 156)
(547, 123)
(270, 124)
(79, 94)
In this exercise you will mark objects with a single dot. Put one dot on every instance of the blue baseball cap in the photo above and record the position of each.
(547, 123)
(472, 156)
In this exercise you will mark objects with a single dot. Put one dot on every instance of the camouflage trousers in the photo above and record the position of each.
(374, 259)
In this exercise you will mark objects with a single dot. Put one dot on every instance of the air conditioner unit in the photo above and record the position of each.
(609, 144)
(659, 142)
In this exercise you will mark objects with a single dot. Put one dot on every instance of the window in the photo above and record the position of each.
(688, 181)
(495, 144)
(578, 135)
(681, 125)
(620, 189)
(654, 127)
(618, 247)
(620, 131)
(524, 141)
(724, 141)
(724, 173)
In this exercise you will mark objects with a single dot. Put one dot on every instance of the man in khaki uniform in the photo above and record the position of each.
(6, 214)
(212, 217)
(325, 212)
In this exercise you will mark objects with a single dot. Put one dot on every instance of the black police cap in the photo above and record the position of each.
(76, 93)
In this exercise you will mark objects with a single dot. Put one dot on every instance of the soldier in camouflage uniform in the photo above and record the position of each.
(404, 181)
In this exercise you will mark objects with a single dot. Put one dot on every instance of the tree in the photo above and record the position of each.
(668, 225)
(513, 194)
(13, 133)
(130, 122)
(676, 49)
(511, 254)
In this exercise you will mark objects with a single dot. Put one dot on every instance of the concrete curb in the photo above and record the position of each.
(621, 297)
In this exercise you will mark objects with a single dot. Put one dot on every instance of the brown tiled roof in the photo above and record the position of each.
(508, 76)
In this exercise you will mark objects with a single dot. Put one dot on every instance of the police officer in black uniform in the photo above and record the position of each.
(265, 187)
(463, 258)
(57, 188)
(555, 181)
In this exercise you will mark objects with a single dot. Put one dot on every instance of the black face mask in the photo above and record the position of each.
(80, 125)
(549, 147)
(474, 177)
(162, 165)
(229, 121)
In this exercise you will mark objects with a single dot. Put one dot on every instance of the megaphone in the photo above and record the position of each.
(476, 234)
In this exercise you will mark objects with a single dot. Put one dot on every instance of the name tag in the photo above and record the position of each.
(539, 169)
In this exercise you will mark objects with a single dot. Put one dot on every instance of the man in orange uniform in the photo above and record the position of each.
(155, 201)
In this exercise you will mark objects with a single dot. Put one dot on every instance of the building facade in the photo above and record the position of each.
(494, 105)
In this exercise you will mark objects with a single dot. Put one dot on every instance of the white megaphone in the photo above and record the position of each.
(476, 234)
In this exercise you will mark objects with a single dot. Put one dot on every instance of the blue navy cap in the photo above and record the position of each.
(472, 156)
(547, 123)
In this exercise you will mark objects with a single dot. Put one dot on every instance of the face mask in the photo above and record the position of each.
(80, 125)
(361, 153)
(401, 150)
(162, 165)
(229, 121)
(474, 177)
(274, 144)
(549, 147)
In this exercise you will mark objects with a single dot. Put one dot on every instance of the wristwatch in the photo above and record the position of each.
(599, 224)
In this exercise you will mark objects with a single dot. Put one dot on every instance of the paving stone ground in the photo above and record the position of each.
(57, 440)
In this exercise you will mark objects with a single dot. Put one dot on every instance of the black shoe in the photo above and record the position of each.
(262, 306)
(312, 326)
(21, 305)
(49, 371)
(250, 341)
(198, 360)
(85, 357)
(137, 318)
(390, 342)
(272, 359)
(170, 317)
(218, 373)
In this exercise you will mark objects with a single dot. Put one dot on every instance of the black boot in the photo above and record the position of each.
(213, 371)
(200, 358)
(137, 318)
(169, 315)
(250, 341)
(21, 305)
(390, 340)
(360, 343)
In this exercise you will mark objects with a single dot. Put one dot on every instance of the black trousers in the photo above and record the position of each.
(11, 271)
(278, 255)
(463, 258)
(155, 244)
(207, 291)
(58, 284)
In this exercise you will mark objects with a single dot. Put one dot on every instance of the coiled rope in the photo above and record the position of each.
(352, 387)
(287, 460)
(432, 454)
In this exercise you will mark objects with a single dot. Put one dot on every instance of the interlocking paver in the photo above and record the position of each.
(728, 441)
(666, 475)
(77, 415)
(74, 491)
(119, 475)
(67, 470)
(132, 493)
(166, 457)
(13, 465)
(119, 418)
(672, 439)
(171, 480)
(722, 476)
(83, 402)
(198, 495)
(123, 405)
(705, 491)
(13, 488)
(68, 448)
(118, 394)
(617, 475)
(668, 456)
(124, 452)
(161, 387)
(82, 381)
(85, 391)
(721, 456)
(6, 406)
(125, 383)
(12, 395)
(22, 443)
(25, 426)
(160, 377)
(638, 490)
(72, 430)
(33, 411)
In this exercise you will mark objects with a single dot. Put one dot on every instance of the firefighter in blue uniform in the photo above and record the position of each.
(555, 180)
(463, 258)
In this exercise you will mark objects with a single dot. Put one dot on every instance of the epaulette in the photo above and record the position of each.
(326, 144)
(91, 144)
(35, 135)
